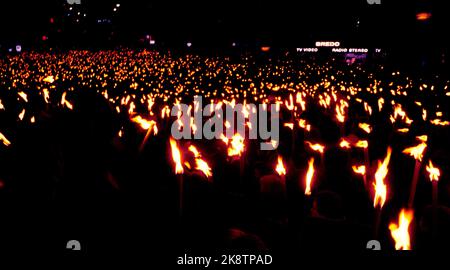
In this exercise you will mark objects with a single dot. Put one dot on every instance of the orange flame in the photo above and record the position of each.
(146, 124)
(422, 138)
(365, 127)
(237, 145)
(281, 170)
(289, 125)
(316, 147)
(176, 156)
(201, 165)
(416, 151)
(309, 176)
(400, 232)
(302, 123)
(49, 79)
(340, 114)
(290, 105)
(65, 102)
(194, 150)
(359, 169)
(344, 144)
(433, 172)
(4, 140)
(379, 185)
(362, 144)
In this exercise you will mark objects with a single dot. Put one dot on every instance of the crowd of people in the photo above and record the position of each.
(85, 153)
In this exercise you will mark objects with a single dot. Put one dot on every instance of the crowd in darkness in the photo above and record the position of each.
(74, 163)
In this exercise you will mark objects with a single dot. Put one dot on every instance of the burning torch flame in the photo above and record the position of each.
(176, 156)
(201, 165)
(194, 151)
(362, 144)
(434, 172)
(4, 140)
(359, 169)
(422, 138)
(365, 127)
(316, 147)
(146, 124)
(49, 79)
(379, 185)
(400, 232)
(309, 176)
(416, 151)
(237, 145)
(281, 170)
(344, 144)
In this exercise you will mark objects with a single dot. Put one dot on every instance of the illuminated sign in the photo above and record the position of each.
(328, 44)
(307, 49)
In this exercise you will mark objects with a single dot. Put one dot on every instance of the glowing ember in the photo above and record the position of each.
(176, 156)
(400, 232)
(359, 169)
(379, 185)
(433, 172)
(423, 16)
(309, 176)
(316, 147)
(281, 170)
(416, 151)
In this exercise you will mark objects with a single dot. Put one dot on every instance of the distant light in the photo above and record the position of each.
(265, 48)
(10, 50)
(152, 42)
(147, 36)
(423, 16)
(115, 9)
(328, 44)
(84, 14)
(44, 38)
(70, 8)
(18, 48)
(52, 20)
(117, 5)
(79, 13)
(233, 44)
(189, 44)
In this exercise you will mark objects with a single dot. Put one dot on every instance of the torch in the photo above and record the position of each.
(176, 157)
(417, 153)
(380, 189)
(434, 175)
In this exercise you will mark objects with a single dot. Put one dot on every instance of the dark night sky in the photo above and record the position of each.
(282, 22)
